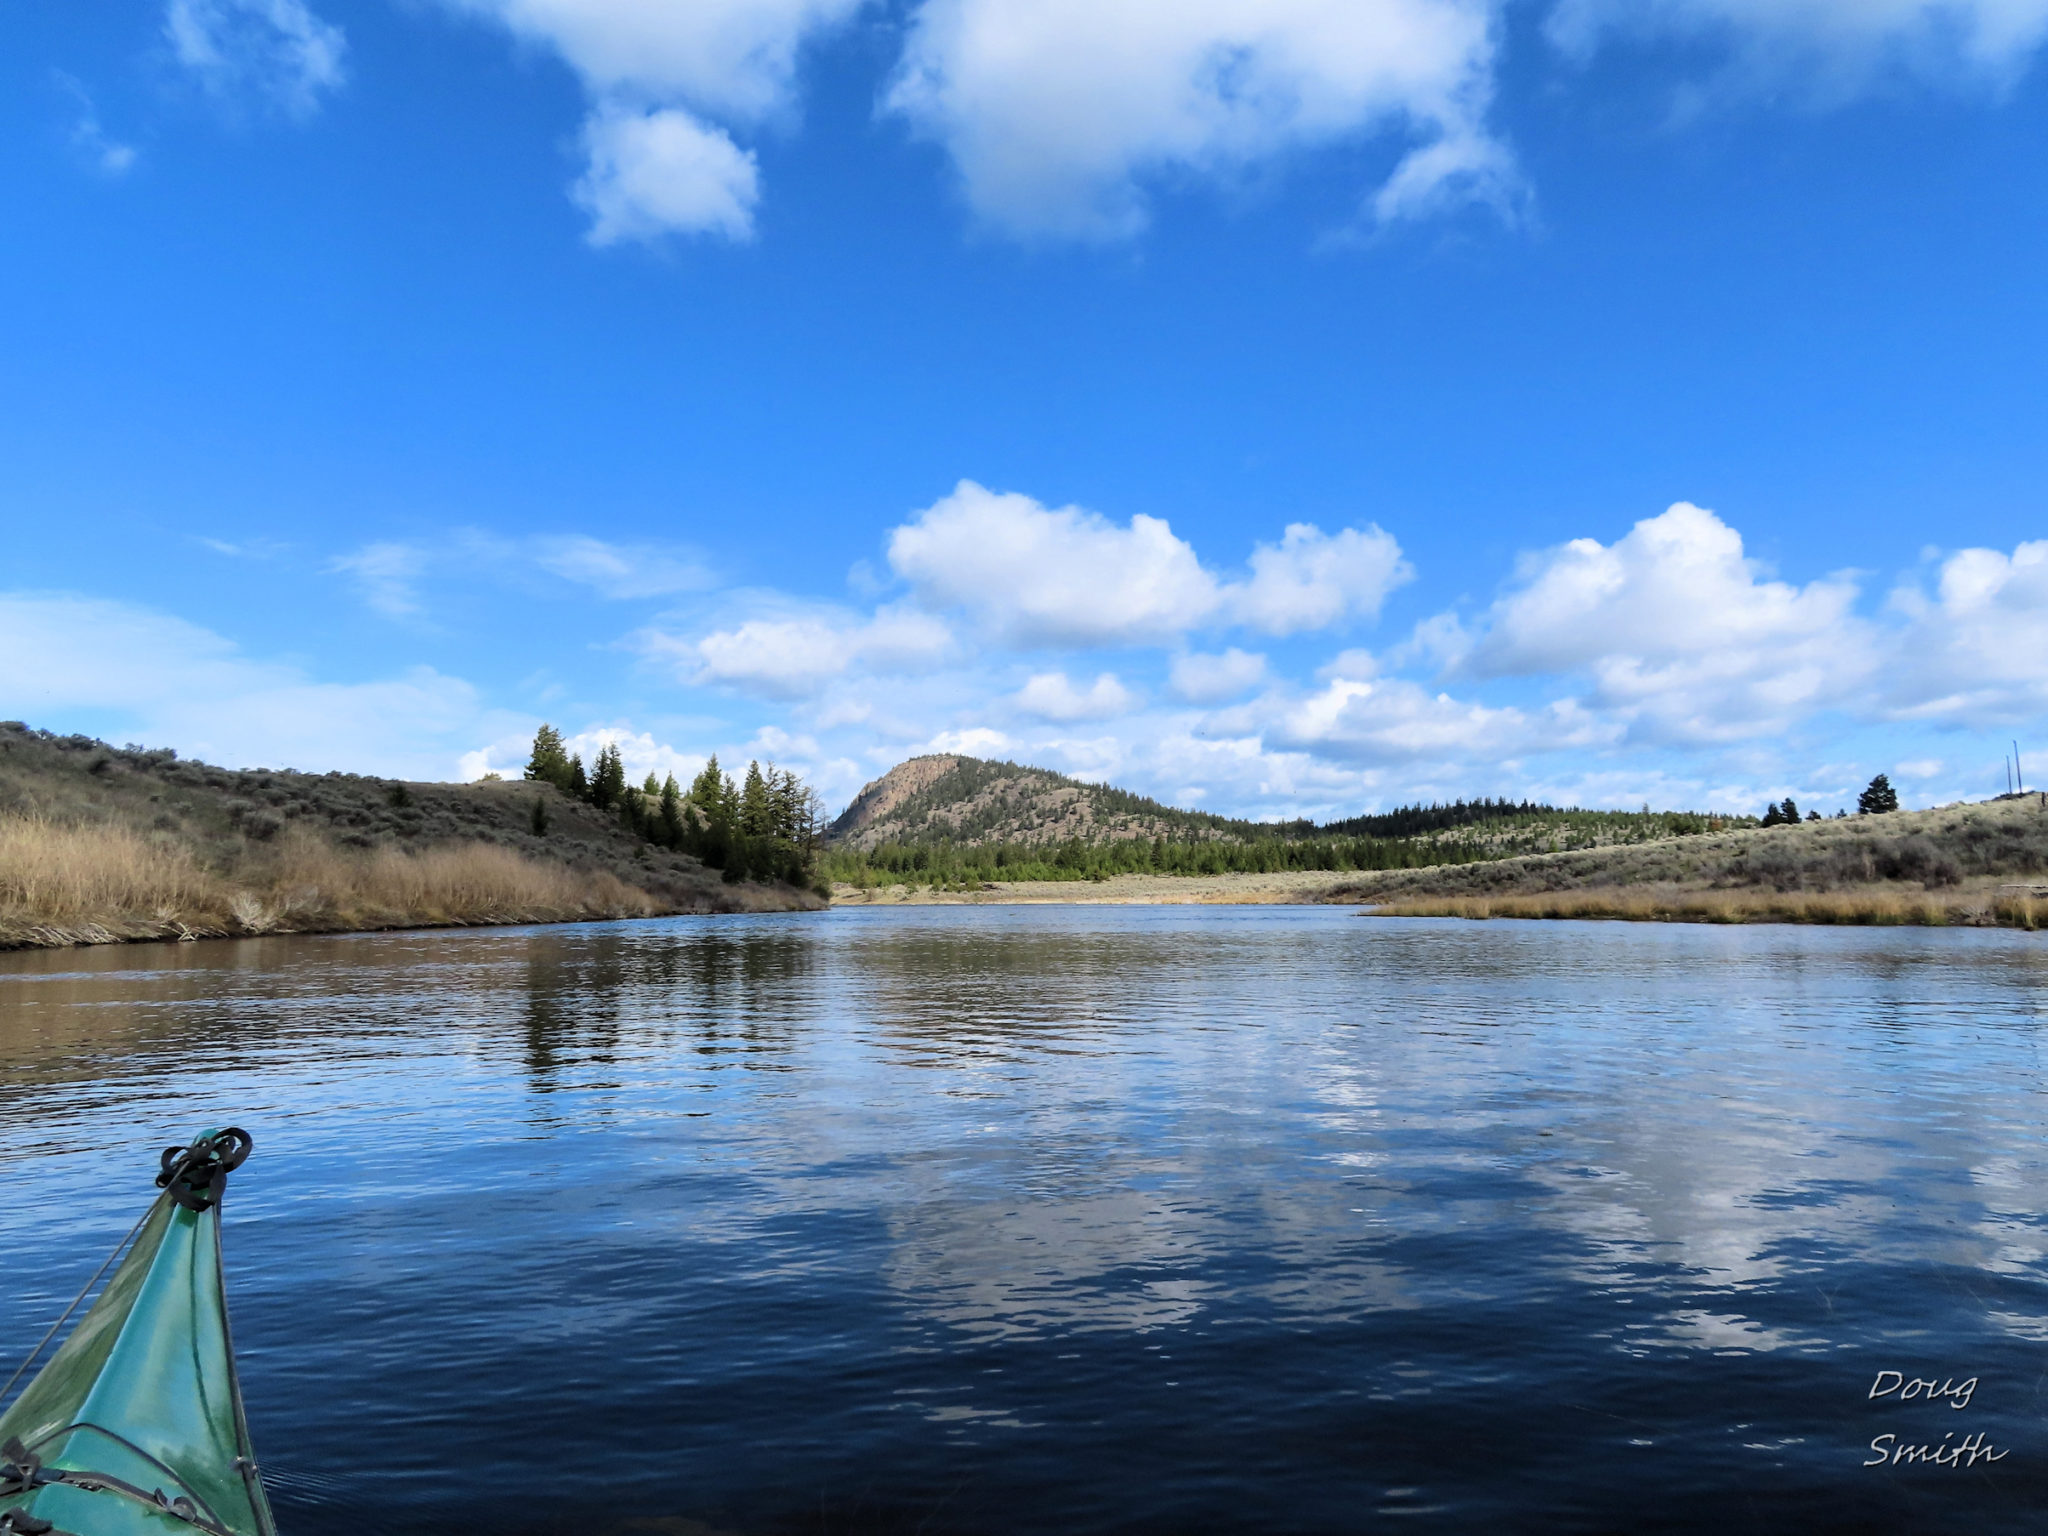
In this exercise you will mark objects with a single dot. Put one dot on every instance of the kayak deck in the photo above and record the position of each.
(135, 1426)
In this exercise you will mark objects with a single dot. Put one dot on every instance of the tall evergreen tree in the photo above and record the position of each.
(1878, 798)
(672, 829)
(711, 793)
(652, 786)
(607, 779)
(549, 763)
(786, 806)
(756, 813)
(577, 787)
(1788, 813)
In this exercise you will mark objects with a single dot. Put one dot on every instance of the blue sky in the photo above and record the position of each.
(1285, 407)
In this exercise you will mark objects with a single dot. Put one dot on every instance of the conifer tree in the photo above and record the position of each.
(577, 786)
(1878, 798)
(755, 811)
(1772, 815)
(710, 792)
(607, 779)
(671, 812)
(1788, 813)
(550, 761)
(787, 796)
(652, 786)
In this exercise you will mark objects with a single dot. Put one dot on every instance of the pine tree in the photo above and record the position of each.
(756, 818)
(1772, 815)
(577, 786)
(672, 829)
(1879, 798)
(607, 779)
(550, 761)
(1788, 813)
(652, 786)
(711, 793)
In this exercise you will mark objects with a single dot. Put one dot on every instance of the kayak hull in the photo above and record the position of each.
(135, 1426)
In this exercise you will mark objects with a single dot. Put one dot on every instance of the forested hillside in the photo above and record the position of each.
(956, 820)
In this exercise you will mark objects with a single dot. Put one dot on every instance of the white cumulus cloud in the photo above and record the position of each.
(1312, 580)
(1053, 696)
(1357, 717)
(1066, 576)
(663, 170)
(1059, 114)
(667, 82)
(1680, 632)
(277, 49)
(1975, 651)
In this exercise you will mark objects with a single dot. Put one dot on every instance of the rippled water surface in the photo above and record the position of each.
(1081, 1220)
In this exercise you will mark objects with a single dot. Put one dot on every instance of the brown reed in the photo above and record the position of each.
(93, 882)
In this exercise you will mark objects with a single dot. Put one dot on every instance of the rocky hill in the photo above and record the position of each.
(972, 802)
(100, 843)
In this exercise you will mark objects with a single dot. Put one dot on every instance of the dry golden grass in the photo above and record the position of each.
(58, 874)
(69, 883)
(1878, 907)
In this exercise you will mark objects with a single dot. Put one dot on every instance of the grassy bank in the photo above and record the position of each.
(1972, 864)
(1297, 887)
(99, 844)
(1870, 907)
(75, 884)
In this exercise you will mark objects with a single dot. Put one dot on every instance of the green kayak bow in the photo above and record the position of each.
(135, 1426)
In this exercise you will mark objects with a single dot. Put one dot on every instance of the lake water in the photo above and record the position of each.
(1082, 1219)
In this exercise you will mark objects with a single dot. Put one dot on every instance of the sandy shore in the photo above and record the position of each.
(1300, 887)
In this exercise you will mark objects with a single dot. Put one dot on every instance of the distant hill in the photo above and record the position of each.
(967, 800)
(946, 819)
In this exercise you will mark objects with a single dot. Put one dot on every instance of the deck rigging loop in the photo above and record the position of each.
(195, 1176)
(22, 1471)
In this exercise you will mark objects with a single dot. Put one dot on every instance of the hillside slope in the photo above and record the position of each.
(952, 818)
(974, 802)
(1961, 863)
(100, 843)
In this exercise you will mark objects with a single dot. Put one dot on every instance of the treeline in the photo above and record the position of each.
(766, 827)
(1412, 837)
(1878, 799)
(952, 864)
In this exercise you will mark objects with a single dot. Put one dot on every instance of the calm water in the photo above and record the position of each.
(1081, 1220)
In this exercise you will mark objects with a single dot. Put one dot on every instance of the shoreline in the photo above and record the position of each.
(1292, 888)
(1971, 904)
(1988, 904)
(19, 937)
